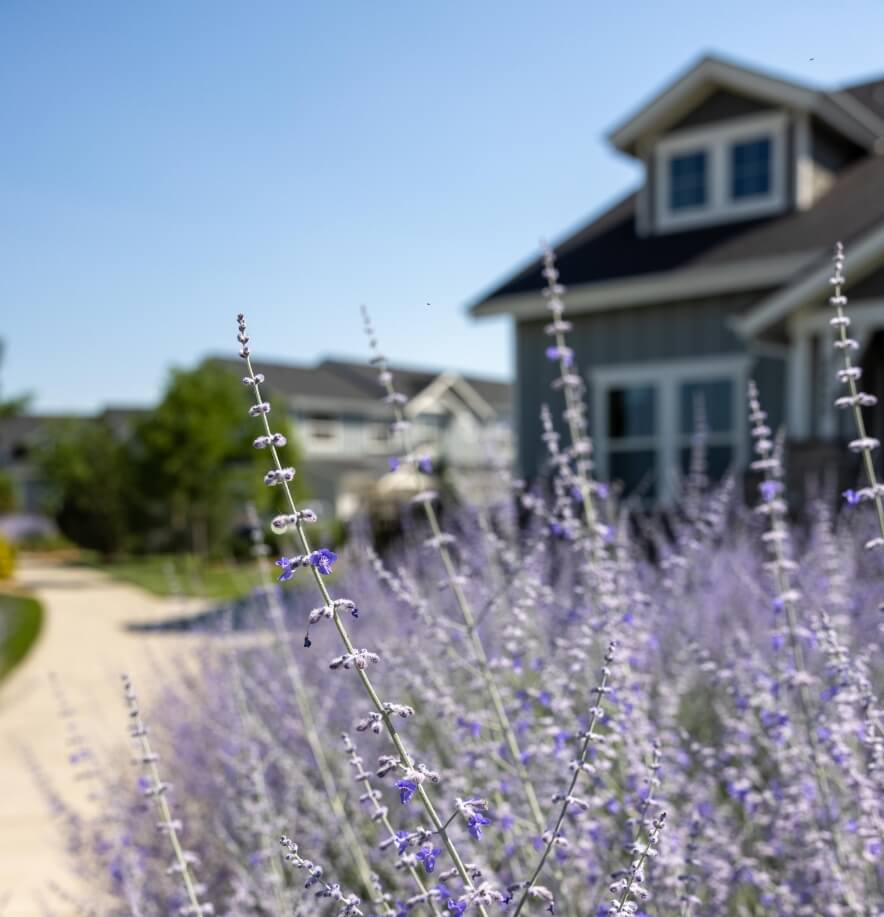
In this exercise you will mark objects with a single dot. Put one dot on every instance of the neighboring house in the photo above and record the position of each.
(17, 438)
(716, 271)
(343, 428)
(20, 434)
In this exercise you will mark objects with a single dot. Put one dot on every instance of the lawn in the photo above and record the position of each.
(181, 574)
(20, 620)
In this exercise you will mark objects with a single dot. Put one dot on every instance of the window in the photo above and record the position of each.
(687, 180)
(750, 168)
(646, 416)
(730, 170)
(631, 412)
(322, 427)
(377, 437)
(710, 402)
(631, 431)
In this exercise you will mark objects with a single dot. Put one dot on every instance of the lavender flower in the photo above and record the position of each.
(427, 855)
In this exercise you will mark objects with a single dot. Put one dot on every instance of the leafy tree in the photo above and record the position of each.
(87, 477)
(193, 459)
(12, 407)
(7, 493)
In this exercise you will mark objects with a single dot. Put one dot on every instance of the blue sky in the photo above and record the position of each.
(165, 165)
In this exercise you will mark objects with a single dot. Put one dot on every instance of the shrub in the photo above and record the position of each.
(547, 715)
(7, 559)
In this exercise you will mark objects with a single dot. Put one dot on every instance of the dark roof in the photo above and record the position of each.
(24, 426)
(17, 434)
(412, 382)
(609, 248)
(356, 381)
(870, 94)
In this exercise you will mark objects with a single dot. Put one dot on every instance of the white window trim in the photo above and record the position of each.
(666, 376)
(374, 442)
(716, 142)
(333, 424)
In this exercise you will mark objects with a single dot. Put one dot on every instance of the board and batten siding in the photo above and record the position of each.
(677, 331)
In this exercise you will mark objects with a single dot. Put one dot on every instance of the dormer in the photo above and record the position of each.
(724, 143)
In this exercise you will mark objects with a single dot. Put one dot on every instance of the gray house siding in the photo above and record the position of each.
(720, 106)
(831, 152)
(870, 287)
(667, 331)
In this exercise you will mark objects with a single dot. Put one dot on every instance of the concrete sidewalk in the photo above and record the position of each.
(85, 645)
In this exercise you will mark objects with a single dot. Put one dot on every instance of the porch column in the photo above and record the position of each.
(827, 386)
(798, 387)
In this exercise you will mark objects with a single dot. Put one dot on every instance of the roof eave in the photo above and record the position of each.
(865, 254)
(661, 286)
(847, 116)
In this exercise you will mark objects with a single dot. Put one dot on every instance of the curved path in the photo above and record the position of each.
(83, 648)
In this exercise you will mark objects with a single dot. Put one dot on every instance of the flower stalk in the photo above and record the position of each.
(262, 409)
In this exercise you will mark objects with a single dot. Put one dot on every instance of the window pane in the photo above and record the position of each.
(687, 180)
(631, 412)
(750, 168)
(718, 461)
(715, 398)
(637, 469)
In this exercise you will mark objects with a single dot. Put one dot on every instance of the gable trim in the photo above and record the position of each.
(849, 118)
(662, 286)
(435, 392)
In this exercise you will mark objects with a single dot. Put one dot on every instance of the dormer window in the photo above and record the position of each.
(750, 168)
(687, 180)
(730, 170)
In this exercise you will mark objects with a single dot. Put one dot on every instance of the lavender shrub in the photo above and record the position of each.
(548, 704)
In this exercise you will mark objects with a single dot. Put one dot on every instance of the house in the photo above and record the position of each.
(343, 429)
(715, 270)
(21, 433)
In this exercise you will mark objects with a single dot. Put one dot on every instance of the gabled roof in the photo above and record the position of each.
(870, 94)
(346, 380)
(851, 114)
(866, 252)
(607, 263)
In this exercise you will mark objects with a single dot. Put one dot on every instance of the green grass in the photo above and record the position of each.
(20, 620)
(181, 574)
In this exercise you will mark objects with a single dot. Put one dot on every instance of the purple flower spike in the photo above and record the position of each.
(769, 490)
(394, 463)
(456, 908)
(560, 353)
(323, 560)
(475, 823)
(427, 856)
(401, 842)
(851, 497)
(425, 465)
(288, 571)
(407, 789)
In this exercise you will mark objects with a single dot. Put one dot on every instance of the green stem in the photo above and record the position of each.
(402, 752)
(600, 691)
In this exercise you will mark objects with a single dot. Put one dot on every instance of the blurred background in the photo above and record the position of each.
(166, 166)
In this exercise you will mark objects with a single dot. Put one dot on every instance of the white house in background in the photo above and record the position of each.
(462, 422)
(715, 270)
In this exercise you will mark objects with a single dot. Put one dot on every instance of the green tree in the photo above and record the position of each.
(86, 473)
(194, 463)
(7, 493)
(12, 407)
